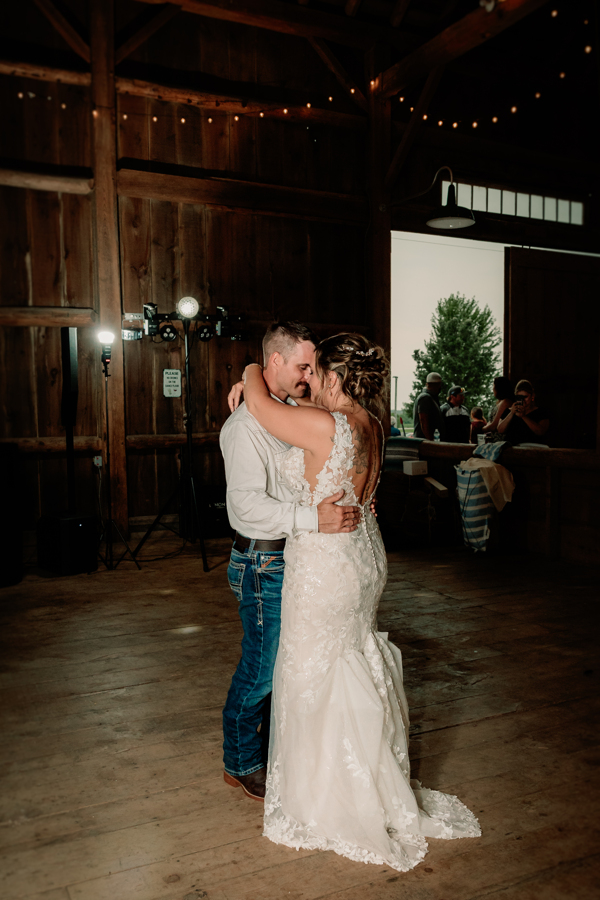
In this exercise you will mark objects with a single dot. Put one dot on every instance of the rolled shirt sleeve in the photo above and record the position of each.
(259, 503)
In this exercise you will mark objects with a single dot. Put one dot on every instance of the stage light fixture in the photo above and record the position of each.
(167, 332)
(151, 320)
(106, 338)
(188, 307)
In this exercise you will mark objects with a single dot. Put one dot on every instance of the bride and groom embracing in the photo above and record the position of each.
(308, 574)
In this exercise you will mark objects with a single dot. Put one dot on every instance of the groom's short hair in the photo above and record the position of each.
(282, 337)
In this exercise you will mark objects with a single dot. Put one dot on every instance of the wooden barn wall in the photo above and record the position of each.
(262, 265)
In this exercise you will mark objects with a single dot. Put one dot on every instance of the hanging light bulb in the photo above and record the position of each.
(182, 120)
(513, 109)
(285, 112)
(537, 95)
(587, 49)
(554, 13)
(209, 120)
(63, 105)
(425, 117)
(236, 118)
(401, 99)
(352, 91)
(330, 99)
(308, 105)
(562, 75)
(155, 118)
(474, 124)
(495, 119)
(440, 122)
(455, 124)
(124, 115)
(262, 115)
(20, 95)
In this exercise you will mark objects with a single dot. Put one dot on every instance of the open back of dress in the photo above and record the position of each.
(339, 775)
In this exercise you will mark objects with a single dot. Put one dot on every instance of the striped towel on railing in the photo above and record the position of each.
(476, 507)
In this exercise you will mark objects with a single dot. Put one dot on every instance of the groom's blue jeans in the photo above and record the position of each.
(255, 579)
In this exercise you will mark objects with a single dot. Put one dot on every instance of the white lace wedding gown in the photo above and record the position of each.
(338, 775)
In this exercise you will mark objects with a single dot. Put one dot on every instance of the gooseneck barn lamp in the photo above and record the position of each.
(450, 216)
(106, 339)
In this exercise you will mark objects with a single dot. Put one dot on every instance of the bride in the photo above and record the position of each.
(338, 774)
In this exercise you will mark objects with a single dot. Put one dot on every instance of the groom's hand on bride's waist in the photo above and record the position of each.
(335, 519)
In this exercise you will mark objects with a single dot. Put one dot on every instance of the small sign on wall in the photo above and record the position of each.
(172, 382)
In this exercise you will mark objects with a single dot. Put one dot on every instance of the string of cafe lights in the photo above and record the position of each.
(455, 124)
(495, 119)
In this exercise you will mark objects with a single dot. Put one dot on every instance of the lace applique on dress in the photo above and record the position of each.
(338, 775)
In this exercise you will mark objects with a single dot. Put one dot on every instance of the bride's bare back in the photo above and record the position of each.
(367, 436)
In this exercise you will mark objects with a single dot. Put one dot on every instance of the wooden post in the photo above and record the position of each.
(107, 239)
(379, 236)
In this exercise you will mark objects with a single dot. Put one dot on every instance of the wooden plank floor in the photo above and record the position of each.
(112, 686)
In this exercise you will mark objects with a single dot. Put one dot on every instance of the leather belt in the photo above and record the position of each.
(242, 543)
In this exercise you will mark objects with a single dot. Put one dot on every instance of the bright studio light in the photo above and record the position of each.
(188, 307)
(106, 337)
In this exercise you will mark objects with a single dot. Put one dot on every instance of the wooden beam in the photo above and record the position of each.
(146, 31)
(379, 236)
(55, 445)
(64, 28)
(473, 30)
(232, 101)
(107, 237)
(413, 127)
(62, 184)
(256, 197)
(335, 66)
(273, 15)
(398, 12)
(351, 7)
(149, 442)
(43, 73)
(235, 98)
(47, 316)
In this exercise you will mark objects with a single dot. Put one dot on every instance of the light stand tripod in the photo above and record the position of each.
(189, 517)
(108, 558)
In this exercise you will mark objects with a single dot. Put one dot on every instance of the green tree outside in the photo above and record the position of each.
(462, 347)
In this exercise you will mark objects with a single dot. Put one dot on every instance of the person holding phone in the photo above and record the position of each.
(526, 422)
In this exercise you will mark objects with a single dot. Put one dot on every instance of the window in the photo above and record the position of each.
(512, 203)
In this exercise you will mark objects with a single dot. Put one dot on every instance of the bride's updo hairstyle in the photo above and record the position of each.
(361, 367)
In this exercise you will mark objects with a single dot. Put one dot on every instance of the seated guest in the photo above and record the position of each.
(503, 392)
(526, 422)
(456, 420)
(478, 423)
(394, 430)
(426, 413)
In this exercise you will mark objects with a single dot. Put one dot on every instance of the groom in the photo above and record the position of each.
(262, 512)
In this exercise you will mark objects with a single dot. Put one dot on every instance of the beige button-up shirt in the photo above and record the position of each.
(259, 503)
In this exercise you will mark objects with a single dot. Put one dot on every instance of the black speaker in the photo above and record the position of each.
(67, 544)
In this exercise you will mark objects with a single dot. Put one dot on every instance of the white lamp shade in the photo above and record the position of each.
(106, 337)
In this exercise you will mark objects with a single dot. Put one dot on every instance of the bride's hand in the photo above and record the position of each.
(234, 397)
